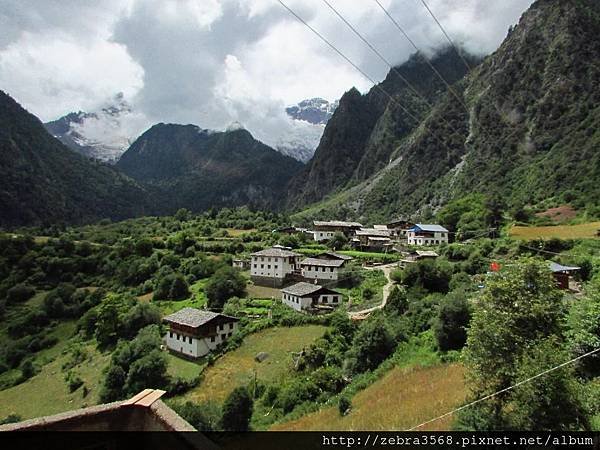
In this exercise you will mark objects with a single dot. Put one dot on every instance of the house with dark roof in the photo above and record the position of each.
(321, 269)
(310, 297)
(427, 234)
(194, 333)
(272, 266)
(374, 238)
(325, 230)
(562, 274)
(400, 226)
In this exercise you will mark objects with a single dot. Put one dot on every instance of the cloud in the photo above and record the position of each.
(213, 62)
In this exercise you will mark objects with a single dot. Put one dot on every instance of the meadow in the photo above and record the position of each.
(239, 367)
(579, 231)
(405, 397)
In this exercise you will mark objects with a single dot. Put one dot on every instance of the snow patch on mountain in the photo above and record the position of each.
(104, 134)
(315, 110)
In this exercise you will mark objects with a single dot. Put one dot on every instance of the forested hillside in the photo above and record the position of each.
(42, 181)
(366, 129)
(527, 132)
(200, 169)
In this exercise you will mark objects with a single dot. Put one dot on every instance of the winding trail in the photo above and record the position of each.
(387, 270)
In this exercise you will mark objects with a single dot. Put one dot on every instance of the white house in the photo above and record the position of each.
(306, 296)
(425, 234)
(272, 266)
(194, 333)
(321, 269)
(324, 231)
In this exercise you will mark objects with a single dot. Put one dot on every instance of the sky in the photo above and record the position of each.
(215, 62)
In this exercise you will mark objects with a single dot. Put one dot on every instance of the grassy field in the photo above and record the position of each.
(197, 299)
(255, 291)
(238, 367)
(404, 398)
(180, 367)
(47, 392)
(584, 230)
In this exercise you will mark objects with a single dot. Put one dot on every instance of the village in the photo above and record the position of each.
(307, 284)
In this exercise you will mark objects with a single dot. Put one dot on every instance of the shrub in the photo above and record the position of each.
(19, 293)
(237, 410)
(344, 405)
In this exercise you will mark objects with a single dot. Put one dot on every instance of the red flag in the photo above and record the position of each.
(494, 267)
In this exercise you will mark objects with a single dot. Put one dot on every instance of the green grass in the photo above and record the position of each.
(197, 299)
(183, 368)
(374, 280)
(238, 367)
(47, 392)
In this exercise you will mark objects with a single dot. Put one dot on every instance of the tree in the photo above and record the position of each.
(397, 302)
(171, 286)
(226, 282)
(237, 410)
(434, 276)
(583, 331)
(450, 327)
(344, 405)
(202, 417)
(553, 401)
(518, 308)
(372, 344)
(338, 241)
(19, 293)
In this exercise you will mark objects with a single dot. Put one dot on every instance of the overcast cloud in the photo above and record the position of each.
(213, 62)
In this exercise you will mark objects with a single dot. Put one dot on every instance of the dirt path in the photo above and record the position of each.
(387, 270)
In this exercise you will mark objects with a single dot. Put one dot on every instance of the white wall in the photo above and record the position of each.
(198, 347)
(295, 302)
(323, 235)
(300, 303)
(312, 272)
(271, 266)
(438, 238)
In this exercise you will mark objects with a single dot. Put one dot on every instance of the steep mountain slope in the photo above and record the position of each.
(200, 169)
(104, 134)
(531, 130)
(42, 181)
(366, 129)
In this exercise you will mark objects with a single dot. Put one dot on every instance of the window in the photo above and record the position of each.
(325, 299)
(275, 267)
(262, 266)
(334, 299)
(255, 266)
(171, 334)
(269, 266)
(212, 339)
(231, 326)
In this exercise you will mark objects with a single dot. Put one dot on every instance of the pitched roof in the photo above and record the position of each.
(275, 251)
(429, 227)
(193, 317)
(427, 253)
(336, 223)
(322, 262)
(334, 255)
(555, 267)
(303, 288)
(373, 232)
(399, 220)
(379, 239)
(380, 227)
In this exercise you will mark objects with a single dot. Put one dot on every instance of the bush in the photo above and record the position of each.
(19, 293)
(73, 380)
(227, 282)
(237, 410)
(203, 417)
(452, 321)
(344, 405)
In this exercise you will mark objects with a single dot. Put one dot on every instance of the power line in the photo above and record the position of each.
(392, 68)
(505, 389)
(447, 36)
(418, 121)
(339, 52)
(439, 75)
